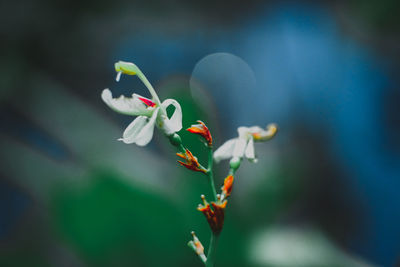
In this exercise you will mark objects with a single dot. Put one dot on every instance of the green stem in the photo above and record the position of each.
(232, 171)
(210, 172)
(182, 148)
(146, 82)
(212, 248)
(212, 251)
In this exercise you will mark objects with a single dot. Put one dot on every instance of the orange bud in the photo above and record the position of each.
(202, 130)
(227, 187)
(191, 161)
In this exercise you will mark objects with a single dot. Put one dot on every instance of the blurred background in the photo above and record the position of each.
(324, 192)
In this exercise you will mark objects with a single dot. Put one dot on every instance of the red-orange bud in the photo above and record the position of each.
(191, 161)
(214, 216)
(227, 187)
(202, 130)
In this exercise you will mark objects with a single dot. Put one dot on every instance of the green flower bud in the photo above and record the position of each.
(175, 140)
(234, 164)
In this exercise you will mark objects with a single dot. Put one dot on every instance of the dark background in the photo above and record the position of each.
(324, 192)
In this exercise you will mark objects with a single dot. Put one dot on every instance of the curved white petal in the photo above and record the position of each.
(133, 129)
(141, 132)
(255, 129)
(249, 152)
(240, 147)
(173, 124)
(225, 151)
(146, 134)
(125, 105)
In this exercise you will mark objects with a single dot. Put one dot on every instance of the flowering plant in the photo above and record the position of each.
(151, 113)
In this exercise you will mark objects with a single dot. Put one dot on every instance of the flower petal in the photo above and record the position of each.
(225, 151)
(125, 105)
(140, 132)
(249, 153)
(255, 129)
(173, 124)
(146, 134)
(133, 129)
(240, 147)
(243, 131)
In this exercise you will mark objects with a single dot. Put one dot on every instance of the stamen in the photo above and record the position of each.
(118, 76)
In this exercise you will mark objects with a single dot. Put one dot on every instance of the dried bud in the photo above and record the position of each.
(190, 161)
(197, 247)
(227, 187)
(202, 130)
(214, 216)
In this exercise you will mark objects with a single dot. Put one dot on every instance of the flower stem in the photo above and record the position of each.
(146, 82)
(210, 172)
(212, 249)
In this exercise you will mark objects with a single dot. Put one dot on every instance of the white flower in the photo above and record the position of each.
(150, 112)
(243, 146)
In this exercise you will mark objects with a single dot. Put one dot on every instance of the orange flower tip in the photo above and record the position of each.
(201, 208)
(202, 130)
(193, 130)
(219, 205)
(183, 164)
(181, 155)
(223, 205)
(147, 101)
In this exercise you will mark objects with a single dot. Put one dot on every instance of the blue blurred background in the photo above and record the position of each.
(324, 192)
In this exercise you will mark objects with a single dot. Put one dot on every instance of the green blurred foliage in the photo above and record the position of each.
(110, 222)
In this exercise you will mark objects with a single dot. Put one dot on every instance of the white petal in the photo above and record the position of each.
(240, 147)
(249, 153)
(146, 134)
(125, 105)
(225, 151)
(173, 124)
(133, 129)
(140, 133)
(255, 129)
(243, 131)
